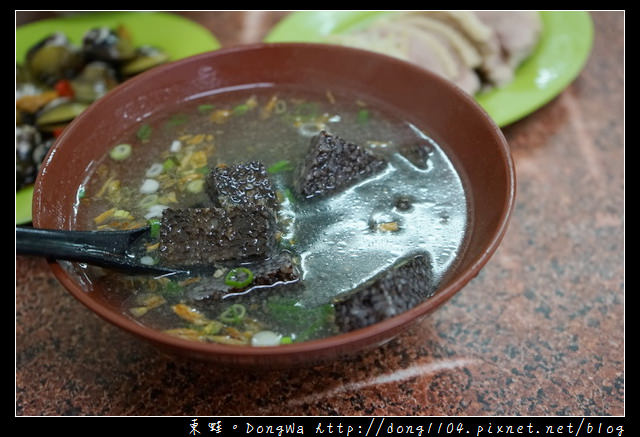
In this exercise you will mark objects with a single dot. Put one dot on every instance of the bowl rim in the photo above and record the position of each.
(327, 344)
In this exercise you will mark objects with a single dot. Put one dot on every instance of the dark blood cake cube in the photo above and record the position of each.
(394, 291)
(332, 164)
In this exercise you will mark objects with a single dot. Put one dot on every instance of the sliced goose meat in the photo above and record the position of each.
(457, 40)
(494, 70)
(476, 50)
(382, 38)
(423, 40)
(430, 50)
(518, 32)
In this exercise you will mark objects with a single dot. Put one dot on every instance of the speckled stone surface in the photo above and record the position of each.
(540, 331)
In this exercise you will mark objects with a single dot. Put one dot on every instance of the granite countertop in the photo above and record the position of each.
(540, 331)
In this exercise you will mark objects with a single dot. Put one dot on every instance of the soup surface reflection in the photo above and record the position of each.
(341, 259)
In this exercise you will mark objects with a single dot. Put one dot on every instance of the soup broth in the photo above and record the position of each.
(328, 248)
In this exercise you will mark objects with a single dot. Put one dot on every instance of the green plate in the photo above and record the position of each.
(176, 35)
(563, 50)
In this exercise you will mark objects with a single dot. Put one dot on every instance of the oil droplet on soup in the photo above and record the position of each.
(347, 251)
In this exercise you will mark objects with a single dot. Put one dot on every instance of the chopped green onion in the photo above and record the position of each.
(149, 186)
(266, 338)
(177, 120)
(363, 116)
(147, 201)
(234, 314)
(284, 165)
(147, 260)
(176, 145)
(154, 170)
(155, 211)
(169, 163)
(195, 186)
(286, 340)
(172, 289)
(310, 128)
(306, 111)
(240, 109)
(120, 152)
(154, 227)
(289, 195)
(306, 322)
(144, 132)
(206, 107)
(239, 277)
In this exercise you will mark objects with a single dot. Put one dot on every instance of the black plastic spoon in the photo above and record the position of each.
(111, 249)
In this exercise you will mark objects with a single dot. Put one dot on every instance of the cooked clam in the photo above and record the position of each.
(58, 114)
(146, 57)
(107, 45)
(52, 59)
(94, 81)
(27, 140)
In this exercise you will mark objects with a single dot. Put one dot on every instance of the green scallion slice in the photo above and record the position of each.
(144, 132)
(171, 290)
(169, 163)
(363, 116)
(289, 195)
(177, 120)
(240, 109)
(234, 314)
(205, 107)
(120, 152)
(154, 227)
(195, 186)
(284, 165)
(239, 277)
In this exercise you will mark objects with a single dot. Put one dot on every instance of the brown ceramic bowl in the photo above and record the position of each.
(466, 133)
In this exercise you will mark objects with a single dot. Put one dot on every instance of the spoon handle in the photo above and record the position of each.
(94, 247)
(109, 249)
